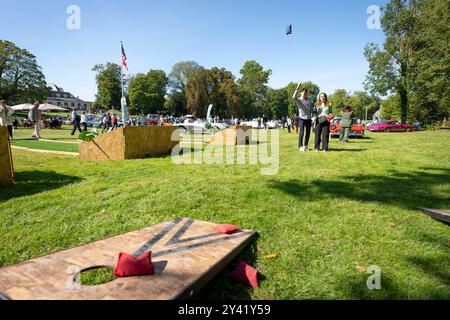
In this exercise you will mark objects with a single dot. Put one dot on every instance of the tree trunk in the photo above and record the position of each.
(403, 104)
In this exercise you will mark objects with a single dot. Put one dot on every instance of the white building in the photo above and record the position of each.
(58, 97)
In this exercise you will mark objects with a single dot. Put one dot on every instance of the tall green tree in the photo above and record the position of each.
(147, 92)
(109, 89)
(391, 68)
(277, 103)
(223, 93)
(253, 88)
(431, 79)
(178, 79)
(21, 78)
(339, 99)
(197, 95)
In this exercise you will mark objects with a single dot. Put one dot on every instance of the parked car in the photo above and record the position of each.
(153, 119)
(356, 130)
(390, 126)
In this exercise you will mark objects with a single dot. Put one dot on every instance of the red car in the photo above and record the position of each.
(153, 120)
(356, 131)
(390, 126)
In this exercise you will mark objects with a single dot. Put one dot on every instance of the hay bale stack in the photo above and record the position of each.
(236, 135)
(129, 143)
(6, 161)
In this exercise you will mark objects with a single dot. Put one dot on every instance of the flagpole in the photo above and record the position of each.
(123, 101)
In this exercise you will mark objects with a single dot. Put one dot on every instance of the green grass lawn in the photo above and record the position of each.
(46, 145)
(326, 216)
(61, 139)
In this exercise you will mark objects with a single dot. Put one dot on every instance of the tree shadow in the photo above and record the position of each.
(346, 150)
(436, 267)
(407, 190)
(33, 182)
(223, 287)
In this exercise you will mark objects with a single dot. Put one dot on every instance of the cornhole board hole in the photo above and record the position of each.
(186, 254)
(441, 215)
(130, 143)
(6, 161)
(236, 135)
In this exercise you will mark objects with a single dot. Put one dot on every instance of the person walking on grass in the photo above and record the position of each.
(322, 128)
(35, 115)
(76, 119)
(304, 115)
(346, 124)
(289, 124)
(106, 122)
(83, 121)
(114, 121)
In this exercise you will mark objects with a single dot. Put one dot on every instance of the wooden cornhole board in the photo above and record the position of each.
(6, 161)
(236, 135)
(441, 215)
(130, 143)
(186, 254)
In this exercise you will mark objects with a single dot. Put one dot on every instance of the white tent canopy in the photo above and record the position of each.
(51, 107)
(43, 107)
(22, 107)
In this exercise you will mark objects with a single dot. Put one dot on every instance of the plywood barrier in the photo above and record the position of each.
(441, 215)
(6, 161)
(129, 143)
(186, 254)
(236, 135)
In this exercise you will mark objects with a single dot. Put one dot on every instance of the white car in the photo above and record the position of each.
(254, 124)
(199, 126)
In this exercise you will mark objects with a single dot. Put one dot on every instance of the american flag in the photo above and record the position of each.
(124, 58)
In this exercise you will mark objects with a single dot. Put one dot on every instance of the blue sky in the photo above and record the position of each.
(326, 47)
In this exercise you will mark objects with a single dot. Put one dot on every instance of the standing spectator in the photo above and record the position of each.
(322, 129)
(106, 122)
(35, 115)
(346, 123)
(114, 121)
(295, 122)
(6, 119)
(83, 121)
(289, 124)
(283, 123)
(76, 119)
(259, 123)
(305, 115)
(265, 120)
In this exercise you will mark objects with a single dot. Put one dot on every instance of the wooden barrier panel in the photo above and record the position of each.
(236, 135)
(6, 161)
(441, 215)
(129, 143)
(186, 254)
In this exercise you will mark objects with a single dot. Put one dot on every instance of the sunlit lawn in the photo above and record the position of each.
(326, 216)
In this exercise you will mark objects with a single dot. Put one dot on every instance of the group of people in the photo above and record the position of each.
(318, 116)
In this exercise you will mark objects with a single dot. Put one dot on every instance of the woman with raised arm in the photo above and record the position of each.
(304, 117)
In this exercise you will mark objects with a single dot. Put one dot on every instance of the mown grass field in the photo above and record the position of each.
(327, 216)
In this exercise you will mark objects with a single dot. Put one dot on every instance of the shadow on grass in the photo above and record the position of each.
(436, 267)
(346, 150)
(355, 286)
(223, 287)
(33, 182)
(407, 190)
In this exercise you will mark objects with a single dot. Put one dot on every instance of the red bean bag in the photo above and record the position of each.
(226, 228)
(128, 265)
(246, 274)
